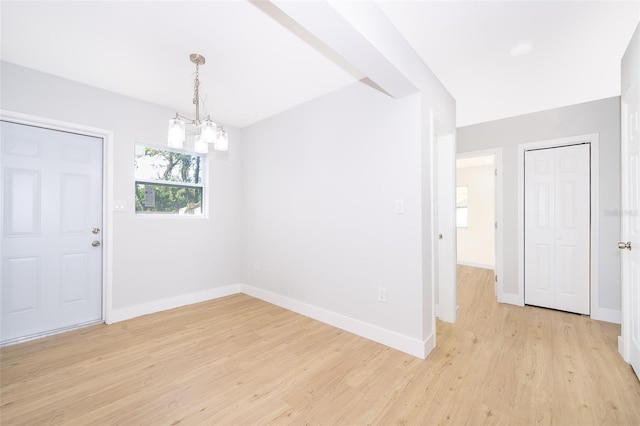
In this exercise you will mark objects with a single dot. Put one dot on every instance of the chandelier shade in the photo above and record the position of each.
(222, 141)
(199, 145)
(176, 133)
(206, 131)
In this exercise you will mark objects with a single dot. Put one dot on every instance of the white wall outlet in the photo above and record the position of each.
(399, 206)
(382, 294)
(257, 266)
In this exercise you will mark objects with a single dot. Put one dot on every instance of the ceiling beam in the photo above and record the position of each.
(363, 36)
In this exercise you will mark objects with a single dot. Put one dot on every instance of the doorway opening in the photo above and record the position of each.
(479, 211)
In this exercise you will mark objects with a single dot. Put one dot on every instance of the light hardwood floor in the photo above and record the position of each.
(238, 360)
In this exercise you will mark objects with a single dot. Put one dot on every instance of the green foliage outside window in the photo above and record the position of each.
(168, 182)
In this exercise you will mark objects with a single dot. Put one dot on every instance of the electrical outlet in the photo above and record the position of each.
(257, 266)
(382, 294)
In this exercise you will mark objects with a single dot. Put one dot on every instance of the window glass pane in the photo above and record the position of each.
(174, 199)
(462, 220)
(167, 166)
(461, 196)
(168, 182)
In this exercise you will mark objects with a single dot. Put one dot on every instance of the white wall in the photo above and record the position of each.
(315, 187)
(602, 117)
(154, 259)
(476, 242)
(320, 184)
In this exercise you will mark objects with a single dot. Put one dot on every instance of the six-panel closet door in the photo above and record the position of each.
(557, 228)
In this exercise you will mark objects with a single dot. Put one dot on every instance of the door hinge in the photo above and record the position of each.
(495, 172)
(496, 278)
(496, 225)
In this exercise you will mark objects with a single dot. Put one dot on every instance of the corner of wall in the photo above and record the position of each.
(129, 312)
(380, 335)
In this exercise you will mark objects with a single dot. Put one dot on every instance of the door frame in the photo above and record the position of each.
(593, 140)
(107, 190)
(497, 213)
(624, 340)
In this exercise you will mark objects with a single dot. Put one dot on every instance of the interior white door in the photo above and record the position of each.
(51, 238)
(446, 221)
(631, 223)
(557, 228)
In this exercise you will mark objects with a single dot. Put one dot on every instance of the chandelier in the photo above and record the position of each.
(206, 131)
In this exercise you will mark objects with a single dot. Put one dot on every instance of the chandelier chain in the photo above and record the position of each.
(207, 131)
(196, 83)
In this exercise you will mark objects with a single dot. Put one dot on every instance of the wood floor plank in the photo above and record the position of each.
(238, 360)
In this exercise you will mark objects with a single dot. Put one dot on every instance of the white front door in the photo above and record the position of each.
(51, 222)
(557, 228)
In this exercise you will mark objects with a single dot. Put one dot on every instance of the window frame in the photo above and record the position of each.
(159, 182)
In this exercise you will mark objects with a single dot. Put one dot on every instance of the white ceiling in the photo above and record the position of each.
(576, 51)
(260, 63)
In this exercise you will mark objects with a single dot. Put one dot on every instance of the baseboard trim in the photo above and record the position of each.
(477, 265)
(599, 314)
(621, 348)
(510, 298)
(607, 315)
(429, 345)
(381, 335)
(117, 315)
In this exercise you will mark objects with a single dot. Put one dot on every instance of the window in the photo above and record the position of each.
(168, 182)
(462, 213)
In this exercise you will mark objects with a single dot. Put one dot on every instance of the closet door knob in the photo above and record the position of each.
(622, 245)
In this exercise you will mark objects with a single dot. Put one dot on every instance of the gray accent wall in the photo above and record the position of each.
(601, 117)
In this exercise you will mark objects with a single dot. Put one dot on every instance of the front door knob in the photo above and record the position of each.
(95, 243)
